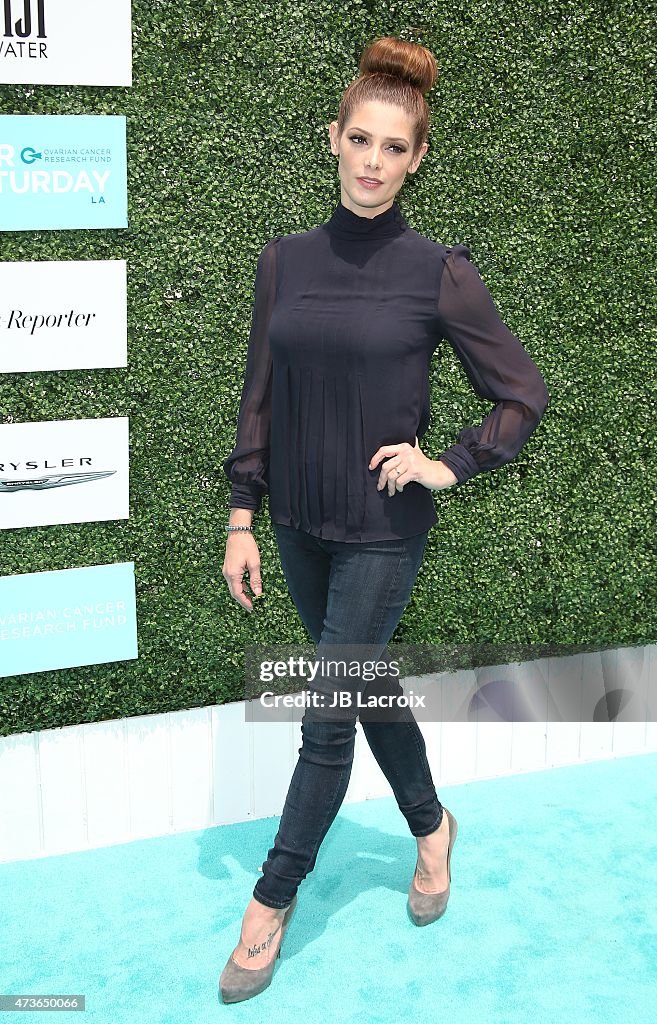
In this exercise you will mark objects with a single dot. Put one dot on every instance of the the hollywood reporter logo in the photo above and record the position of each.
(24, 29)
(33, 323)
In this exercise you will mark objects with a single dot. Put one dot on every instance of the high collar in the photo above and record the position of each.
(344, 223)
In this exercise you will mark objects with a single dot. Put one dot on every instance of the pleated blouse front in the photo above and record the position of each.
(346, 318)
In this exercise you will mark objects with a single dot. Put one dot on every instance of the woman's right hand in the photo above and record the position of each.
(242, 556)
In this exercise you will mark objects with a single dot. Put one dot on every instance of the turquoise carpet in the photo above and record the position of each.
(552, 917)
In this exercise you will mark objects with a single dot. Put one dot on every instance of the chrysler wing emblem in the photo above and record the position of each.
(46, 483)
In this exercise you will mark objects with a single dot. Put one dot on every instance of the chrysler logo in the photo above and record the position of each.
(46, 483)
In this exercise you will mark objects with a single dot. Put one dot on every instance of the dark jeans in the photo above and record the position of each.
(346, 594)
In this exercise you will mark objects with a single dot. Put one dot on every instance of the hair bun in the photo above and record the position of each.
(409, 61)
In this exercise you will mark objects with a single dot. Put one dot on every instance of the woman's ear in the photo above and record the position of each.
(417, 159)
(333, 135)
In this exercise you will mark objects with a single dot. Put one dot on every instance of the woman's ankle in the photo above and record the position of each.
(263, 910)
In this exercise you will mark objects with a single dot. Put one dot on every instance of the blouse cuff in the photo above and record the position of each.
(242, 496)
(462, 464)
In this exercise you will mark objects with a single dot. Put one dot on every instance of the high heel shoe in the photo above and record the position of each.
(237, 983)
(425, 907)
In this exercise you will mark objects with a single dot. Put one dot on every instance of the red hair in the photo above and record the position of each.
(393, 71)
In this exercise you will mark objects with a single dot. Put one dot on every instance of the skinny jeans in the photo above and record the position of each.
(346, 593)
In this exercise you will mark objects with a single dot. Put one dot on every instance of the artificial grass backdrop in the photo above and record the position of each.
(541, 161)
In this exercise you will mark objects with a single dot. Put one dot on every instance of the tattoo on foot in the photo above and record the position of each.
(263, 946)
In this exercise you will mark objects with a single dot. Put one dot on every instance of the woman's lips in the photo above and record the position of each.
(368, 184)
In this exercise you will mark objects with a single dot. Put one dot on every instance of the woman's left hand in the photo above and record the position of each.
(406, 464)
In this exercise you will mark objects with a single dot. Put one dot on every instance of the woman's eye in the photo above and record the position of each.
(356, 138)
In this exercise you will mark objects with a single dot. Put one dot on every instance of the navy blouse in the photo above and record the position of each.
(345, 321)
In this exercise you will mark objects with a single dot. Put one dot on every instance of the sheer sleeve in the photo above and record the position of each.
(247, 466)
(497, 366)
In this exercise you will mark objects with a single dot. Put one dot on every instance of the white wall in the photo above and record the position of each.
(111, 782)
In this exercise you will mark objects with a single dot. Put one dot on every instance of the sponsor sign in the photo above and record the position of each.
(71, 617)
(65, 42)
(62, 171)
(62, 315)
(64, 471)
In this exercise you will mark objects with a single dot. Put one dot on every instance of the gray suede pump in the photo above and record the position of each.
(425, 907)
(237, 983)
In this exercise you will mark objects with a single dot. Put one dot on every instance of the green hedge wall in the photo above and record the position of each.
(541, 161)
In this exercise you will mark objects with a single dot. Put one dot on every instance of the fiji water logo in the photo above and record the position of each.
(24, 29)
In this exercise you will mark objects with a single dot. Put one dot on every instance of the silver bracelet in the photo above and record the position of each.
(229, 528)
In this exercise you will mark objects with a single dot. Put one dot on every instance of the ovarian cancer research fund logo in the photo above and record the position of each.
(50, 180)
(62, 172)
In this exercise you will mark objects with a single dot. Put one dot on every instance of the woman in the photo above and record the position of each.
(335, 399)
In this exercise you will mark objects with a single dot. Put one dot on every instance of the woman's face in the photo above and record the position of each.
(376, 143)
